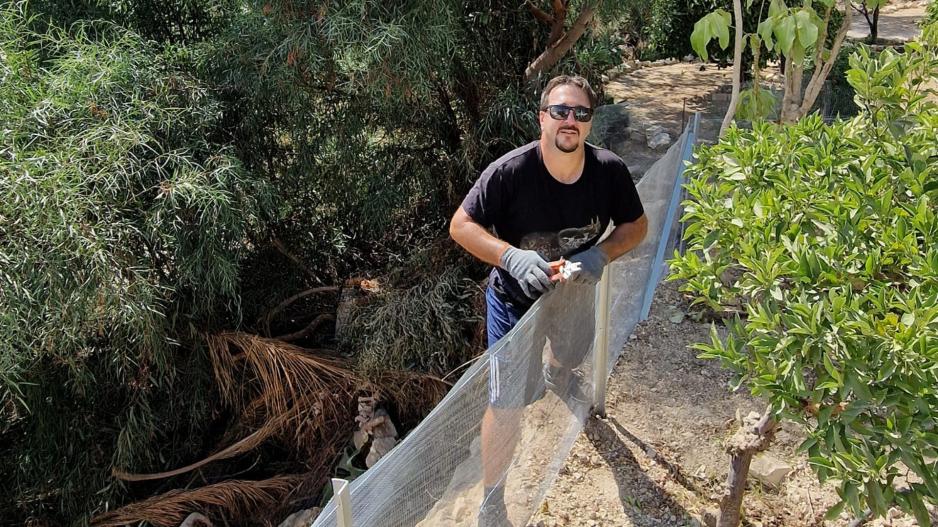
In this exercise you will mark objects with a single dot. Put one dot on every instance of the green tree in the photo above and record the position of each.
(799, 33)
(122, 225)
(815, 242)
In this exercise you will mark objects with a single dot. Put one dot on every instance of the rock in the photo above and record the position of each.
(769, 470)
(637, 135)
(301, 518)
(196, 520)
(610, 125)
(656, 137)
(689, 58)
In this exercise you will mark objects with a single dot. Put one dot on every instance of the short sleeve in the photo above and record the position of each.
(485, 201)
(626, 205)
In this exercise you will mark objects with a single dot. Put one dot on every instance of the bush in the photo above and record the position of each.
(424, 317)
(122, 226)
(817, 243)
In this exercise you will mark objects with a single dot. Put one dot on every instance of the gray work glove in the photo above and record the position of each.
(530, 270)
(592, 261)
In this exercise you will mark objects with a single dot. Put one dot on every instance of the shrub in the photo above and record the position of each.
(122, 226)
(817, 243)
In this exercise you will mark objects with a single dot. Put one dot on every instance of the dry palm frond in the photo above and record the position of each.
(298, 398)
(245, 445)
(283, 373)
(229, 500)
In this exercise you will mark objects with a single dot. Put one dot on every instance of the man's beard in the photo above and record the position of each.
(565, 149)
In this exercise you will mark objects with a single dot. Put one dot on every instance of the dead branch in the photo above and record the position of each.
(242, 446)
(282, 249)
(308, 330)
(266, 319)
(195, 519)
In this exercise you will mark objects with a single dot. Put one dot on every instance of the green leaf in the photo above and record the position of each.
(807, 30)
(765, 31)
(874, 497)
(784, 31)
(918, 509)
(720, 22)
(834, 512)
(700, 37)
(776, 8)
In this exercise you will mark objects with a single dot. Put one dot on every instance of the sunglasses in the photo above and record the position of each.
(561, 111)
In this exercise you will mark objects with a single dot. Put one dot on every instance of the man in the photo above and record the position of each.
(550, 199)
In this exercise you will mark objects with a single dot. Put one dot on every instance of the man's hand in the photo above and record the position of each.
(592, 261)
(530, 270)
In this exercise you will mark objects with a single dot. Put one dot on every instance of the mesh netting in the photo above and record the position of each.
(434, 477)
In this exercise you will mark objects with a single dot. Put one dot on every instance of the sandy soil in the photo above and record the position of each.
(657, 459)
(897, 22)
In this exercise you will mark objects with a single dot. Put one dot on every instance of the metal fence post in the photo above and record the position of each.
(601, 346)
(343, 509)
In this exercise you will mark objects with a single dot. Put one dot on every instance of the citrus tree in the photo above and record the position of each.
(815, 243)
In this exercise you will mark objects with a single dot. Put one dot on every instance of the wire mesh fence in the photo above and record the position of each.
(514, 414)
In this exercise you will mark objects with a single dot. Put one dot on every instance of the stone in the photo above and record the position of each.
(769, 470)
(610, 125)
(301, 518)
(656, 137)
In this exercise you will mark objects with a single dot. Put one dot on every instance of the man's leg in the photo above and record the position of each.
(500, 423)
(569, 340)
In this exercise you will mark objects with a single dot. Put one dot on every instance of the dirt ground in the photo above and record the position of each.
(898, 22)
(657, 459)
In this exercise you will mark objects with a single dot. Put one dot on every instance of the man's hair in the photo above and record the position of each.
(572, 80)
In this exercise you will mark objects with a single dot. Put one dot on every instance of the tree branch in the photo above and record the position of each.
(539, 13)
(282, 305)
(554, 52)
(308, 330)
(560, 19)
(282, 249)
(817, 81)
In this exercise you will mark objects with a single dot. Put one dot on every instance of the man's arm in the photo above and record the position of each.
(476, 239)
(624, 237)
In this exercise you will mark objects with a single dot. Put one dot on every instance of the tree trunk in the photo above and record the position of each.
(791, 100)
(874, 27)
(822, 68)
(754, 436)
(546, 60)
(737, 67)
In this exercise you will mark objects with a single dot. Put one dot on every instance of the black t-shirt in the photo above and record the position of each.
(528, 208)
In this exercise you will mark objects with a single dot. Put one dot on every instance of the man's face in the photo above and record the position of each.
(568, 135)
